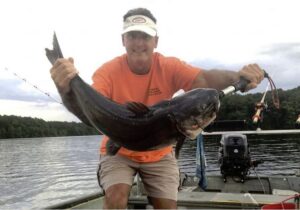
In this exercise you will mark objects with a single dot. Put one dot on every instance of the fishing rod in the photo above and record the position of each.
(259, 107)
(241, 86)
(238, 86)
(32, 85)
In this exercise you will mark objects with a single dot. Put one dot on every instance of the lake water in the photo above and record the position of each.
(39, 172)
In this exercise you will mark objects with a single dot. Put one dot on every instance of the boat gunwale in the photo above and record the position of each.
(76, 201)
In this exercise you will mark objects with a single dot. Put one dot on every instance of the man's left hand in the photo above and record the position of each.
(253, 73)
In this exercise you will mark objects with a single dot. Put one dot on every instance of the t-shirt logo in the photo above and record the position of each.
(154, 91)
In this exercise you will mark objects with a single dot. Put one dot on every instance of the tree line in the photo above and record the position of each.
(234, 107)
(26, 127)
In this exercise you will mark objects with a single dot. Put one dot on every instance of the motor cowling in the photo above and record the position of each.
(234, 156)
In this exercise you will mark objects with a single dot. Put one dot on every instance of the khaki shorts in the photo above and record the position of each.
(161, 179)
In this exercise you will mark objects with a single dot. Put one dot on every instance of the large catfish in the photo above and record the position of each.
(134, 125)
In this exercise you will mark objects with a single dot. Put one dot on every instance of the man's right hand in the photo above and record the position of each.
(62, 72)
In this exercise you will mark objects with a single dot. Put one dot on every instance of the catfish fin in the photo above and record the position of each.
(111, 147)
(180, 141)
(55, 53)
(137, 108)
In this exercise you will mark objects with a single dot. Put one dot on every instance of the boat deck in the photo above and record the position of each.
(195, 200)
(219, 195)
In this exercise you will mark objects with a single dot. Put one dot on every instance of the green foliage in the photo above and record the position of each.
(242, 107)
(27, 127)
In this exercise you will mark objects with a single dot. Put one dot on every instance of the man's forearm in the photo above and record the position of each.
(218, 79)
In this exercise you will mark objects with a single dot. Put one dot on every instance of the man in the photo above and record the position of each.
(145, 76)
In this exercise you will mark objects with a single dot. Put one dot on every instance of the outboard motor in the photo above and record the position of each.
(234, 156)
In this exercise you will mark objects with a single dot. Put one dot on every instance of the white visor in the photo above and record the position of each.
(140, 23)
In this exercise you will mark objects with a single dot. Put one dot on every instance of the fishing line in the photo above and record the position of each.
(32, 85)
(262, 185)
(274, 91)
(265, 93)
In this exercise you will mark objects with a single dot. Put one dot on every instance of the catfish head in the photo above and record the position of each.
(195, 110)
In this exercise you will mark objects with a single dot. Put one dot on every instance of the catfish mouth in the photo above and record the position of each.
(194, 125)
(195, 130)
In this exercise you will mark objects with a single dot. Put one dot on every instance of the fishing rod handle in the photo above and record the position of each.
(240, 85)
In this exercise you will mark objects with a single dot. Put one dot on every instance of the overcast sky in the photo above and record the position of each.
(225, 34)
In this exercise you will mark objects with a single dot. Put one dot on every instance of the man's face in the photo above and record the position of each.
(139, 47)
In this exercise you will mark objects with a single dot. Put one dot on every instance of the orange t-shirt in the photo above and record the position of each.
(167, 75)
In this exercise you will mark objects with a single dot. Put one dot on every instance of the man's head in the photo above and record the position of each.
(140, 19)
(140, 38)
